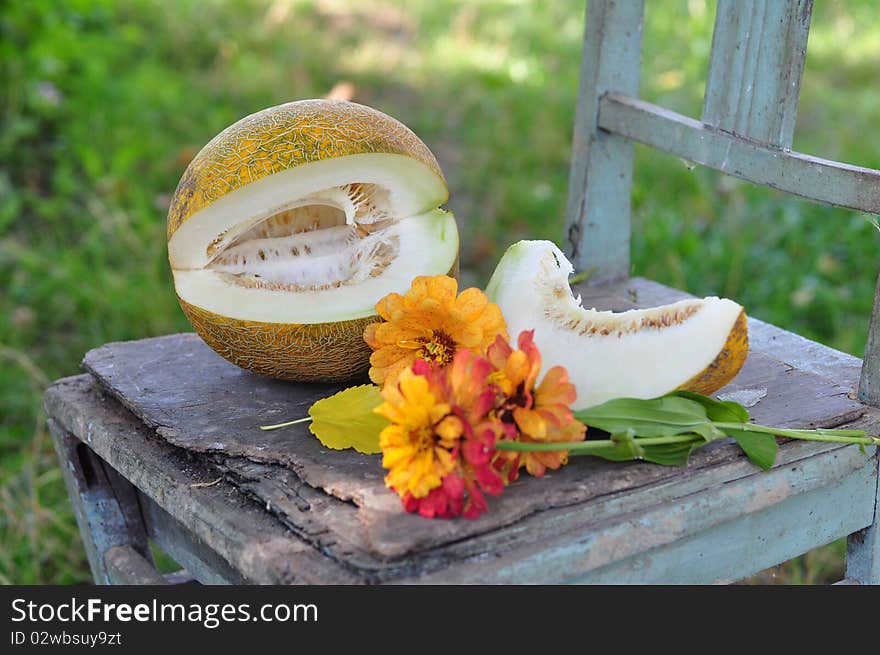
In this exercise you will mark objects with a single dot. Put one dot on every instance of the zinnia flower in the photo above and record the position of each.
(439, 447)
(430, 323)
(420, 445)
(445, 420)
(529, 413)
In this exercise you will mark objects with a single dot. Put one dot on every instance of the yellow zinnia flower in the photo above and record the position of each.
(430, 322)
(418, 446)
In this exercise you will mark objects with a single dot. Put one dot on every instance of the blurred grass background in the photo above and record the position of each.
(103, 104)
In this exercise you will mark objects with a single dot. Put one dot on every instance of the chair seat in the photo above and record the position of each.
(167, 413)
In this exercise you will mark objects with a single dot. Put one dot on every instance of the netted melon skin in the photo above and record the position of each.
(283, 137)
(728, 362)
(320, 352)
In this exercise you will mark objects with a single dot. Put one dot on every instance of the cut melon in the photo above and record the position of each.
(695, 344)
(290, 225)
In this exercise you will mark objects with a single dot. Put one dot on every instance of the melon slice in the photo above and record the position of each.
(290, 225)
(695, 344)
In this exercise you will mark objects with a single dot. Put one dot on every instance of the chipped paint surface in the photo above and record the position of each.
(745, 397)
(632, 538)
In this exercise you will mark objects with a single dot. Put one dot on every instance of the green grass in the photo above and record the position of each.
(104, 103)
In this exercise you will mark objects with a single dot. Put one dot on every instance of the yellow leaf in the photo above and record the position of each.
(347, 420)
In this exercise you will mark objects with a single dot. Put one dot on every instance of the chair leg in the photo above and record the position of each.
(105, 504)
(863, 547)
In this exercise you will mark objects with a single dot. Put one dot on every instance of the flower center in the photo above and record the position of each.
(519, 398)
(437, 347)
(424, 439)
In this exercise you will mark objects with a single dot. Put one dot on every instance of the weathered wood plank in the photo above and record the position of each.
(598, 209)
(717, 534)
(203, 562)
(813, 178)
(253, 542)
(754, 541)
(869, 379)
(125, 566)
(105, 505)
(863, 547)
(111, 426)
(758, 50)
(217, 408)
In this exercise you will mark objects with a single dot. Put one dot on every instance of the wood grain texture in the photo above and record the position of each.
(126, 566)
(869, 381)
(863, 547)
(754, 80)
(711, 535)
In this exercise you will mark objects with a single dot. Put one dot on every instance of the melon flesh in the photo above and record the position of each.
(644, 353)
(319, 243)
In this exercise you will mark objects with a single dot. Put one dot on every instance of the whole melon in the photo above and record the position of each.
(288, 227)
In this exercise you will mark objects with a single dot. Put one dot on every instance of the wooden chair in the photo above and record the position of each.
(746, 130)
(155, 450)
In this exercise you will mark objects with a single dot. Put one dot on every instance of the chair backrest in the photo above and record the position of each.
(752, 89)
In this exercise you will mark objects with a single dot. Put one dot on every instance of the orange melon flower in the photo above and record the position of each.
(432, 323)
(532, 413)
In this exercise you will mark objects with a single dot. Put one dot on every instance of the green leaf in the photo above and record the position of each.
(347, 420)
(759, 447)
(626, 448)
(674, 454)
(655, 417)
(612, 453)
(723, 411)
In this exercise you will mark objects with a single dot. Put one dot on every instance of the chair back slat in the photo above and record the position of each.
(600, 179)
(869, 382)
(814, 178)
(754, 79)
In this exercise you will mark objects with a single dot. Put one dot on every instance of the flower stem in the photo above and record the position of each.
(834, 436)
(586, 447)
(284, 425)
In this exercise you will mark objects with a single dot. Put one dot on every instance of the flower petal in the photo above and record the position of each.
(471, 303)
(530, 422)
(555, 388)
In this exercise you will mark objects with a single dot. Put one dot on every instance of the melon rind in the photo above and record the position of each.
(694, 344)
(317, 352)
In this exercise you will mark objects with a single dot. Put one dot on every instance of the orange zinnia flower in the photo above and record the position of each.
(431, 323)
(529, 413)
